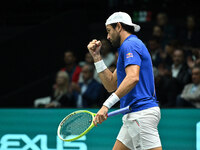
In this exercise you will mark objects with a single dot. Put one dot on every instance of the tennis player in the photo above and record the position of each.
(132, 83)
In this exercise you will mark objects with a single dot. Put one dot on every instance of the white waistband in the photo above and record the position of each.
(138, 114)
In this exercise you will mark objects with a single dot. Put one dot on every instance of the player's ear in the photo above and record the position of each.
(118, 27)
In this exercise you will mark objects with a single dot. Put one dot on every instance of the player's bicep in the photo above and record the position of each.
(131, 55)
(133, 71)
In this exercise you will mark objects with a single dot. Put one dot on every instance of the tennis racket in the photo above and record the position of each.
(79, 123)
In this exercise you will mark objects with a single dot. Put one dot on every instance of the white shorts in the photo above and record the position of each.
(139, 130)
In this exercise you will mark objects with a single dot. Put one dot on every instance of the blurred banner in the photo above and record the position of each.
(35, 129)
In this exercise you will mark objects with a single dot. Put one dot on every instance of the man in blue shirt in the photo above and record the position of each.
(132, 83)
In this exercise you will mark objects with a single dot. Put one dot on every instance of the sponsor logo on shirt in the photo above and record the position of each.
(129, 55)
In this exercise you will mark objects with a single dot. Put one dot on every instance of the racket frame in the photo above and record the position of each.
(114, 113)
(85, 132)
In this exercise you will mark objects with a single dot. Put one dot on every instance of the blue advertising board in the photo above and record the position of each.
(36, 129)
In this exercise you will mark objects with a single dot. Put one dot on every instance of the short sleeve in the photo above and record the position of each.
(131, 55)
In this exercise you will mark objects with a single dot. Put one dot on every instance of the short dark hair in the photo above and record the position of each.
(127, 28)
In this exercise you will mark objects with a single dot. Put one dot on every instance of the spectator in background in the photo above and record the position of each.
(113, 66)
(88, 60)
(166, 89)
(170, 82)
(107, 54)
(159, 34)
(168, 29)
(155, 50)
(167, 55)
(190, 96)
(179, 69)
(60, 96)
(88, 92)
(194, 58)
(190, 35)
(71, 67)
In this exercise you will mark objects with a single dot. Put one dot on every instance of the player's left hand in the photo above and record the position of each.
(101, 115)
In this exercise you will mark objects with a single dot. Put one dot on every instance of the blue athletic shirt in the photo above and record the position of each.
(142, 96)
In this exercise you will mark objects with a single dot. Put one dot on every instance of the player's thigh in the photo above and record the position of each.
(119, 146)
(149, 132)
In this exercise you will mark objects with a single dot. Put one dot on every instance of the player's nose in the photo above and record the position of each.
(108, 37)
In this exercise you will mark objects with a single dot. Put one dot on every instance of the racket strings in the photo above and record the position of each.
(76, 125)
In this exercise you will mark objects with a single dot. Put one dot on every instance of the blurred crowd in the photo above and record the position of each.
(175, 52)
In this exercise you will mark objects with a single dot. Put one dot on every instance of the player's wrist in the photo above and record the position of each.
(100, 66)
(112, 100)
(105, 107)
(97, 58)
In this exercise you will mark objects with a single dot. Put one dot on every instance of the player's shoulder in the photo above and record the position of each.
(132, 42)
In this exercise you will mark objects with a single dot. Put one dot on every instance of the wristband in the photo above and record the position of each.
(111, 100)
(100, 66)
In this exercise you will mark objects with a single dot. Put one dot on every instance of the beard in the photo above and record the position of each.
(116, 42)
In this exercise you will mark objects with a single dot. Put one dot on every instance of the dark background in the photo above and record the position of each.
(34, 34)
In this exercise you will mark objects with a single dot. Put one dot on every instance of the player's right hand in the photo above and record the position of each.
(94, 48)
(101, 115)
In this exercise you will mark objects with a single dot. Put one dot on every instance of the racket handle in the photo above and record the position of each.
(120, 111)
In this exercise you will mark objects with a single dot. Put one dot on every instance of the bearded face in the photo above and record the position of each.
(113, 36)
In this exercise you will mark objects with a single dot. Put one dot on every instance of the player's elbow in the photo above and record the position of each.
(133, 80)
(112, 88)
(136, 79)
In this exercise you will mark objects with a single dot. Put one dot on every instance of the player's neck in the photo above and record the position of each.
(124, 35)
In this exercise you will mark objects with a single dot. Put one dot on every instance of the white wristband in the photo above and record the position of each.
(100, 66)
(111, 100)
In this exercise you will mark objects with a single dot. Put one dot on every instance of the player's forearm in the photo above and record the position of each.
(106, 75)
(107, 80)
(97, 58)
(126, 86)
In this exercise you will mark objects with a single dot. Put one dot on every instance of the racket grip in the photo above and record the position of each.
(120, 111)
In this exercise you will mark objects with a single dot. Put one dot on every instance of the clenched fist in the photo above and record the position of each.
(94, 48)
